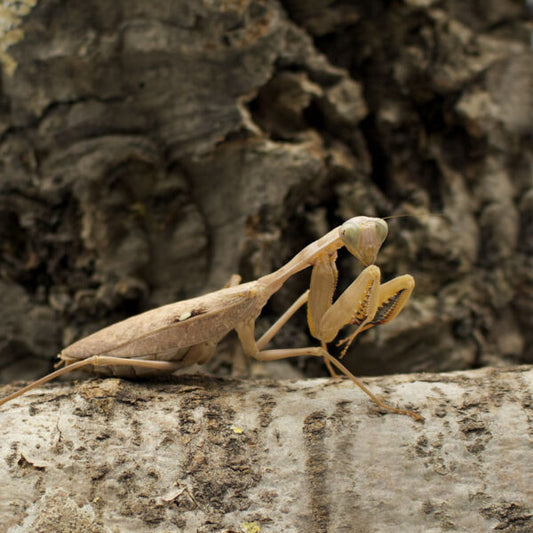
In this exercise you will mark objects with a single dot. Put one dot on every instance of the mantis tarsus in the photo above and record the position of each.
(180, 334)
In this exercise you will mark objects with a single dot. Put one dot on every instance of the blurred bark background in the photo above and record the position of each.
(148, 150)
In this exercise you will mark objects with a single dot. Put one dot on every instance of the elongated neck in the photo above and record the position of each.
(327, 244)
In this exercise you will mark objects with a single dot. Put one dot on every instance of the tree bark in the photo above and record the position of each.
(210, 454)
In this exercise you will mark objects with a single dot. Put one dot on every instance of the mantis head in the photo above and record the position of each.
(363, 236)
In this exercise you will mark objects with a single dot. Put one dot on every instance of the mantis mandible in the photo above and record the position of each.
(180, 334)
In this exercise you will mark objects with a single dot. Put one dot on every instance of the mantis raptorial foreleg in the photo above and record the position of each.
(391, 299)
(365, 303)
(356, 305)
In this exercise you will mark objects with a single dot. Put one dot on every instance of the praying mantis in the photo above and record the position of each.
(180, 334)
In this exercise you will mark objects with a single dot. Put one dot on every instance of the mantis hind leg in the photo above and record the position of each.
(96, 360)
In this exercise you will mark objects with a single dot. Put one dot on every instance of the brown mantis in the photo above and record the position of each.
(180, 334)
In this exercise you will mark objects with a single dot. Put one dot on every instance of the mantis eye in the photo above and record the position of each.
(382, 229)
(350, 234)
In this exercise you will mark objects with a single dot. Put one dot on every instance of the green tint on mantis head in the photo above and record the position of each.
(363, 237)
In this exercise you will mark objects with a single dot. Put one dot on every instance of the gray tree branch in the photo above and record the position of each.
(209, 454)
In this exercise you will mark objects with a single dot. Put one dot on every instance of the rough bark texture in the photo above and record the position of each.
(151, 149)
(240, 456)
